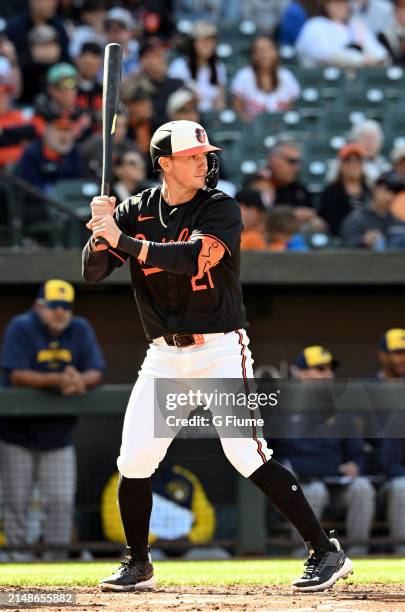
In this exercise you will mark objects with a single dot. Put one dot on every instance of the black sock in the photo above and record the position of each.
(282, 488)
(135, 502)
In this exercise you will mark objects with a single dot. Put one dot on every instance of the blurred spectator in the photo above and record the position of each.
(296, 13)
(90, 91)
(153, 77)
(44, 51)
(51, 158)
(282, 230)
(91, 149)
(392, 36)
(210, 10)
(201, 68)
(142, 123)
(397, 157)
(38, 12)
(374, 227)
(329, 468)
(266, 14)
(263, 86)
(284, 162)
(337, 38)
(181, 514)
(8, 57)
(253, 217)
(349, 191)
(91, 26)
(183, 105)
(377, 14)
(45, 348)
(128, 175)
(393, 459)
(16, 129)
(391, 355)
(119, 27)
(155, 17)
(262, 183)
(370, 136)
(61, 99)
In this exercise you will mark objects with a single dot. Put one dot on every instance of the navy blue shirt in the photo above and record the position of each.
(28, 345)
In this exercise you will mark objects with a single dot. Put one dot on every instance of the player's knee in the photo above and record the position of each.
(397, 485)
(137, 465)
(362, 487)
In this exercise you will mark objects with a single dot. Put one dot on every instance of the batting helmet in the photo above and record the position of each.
(179, 139)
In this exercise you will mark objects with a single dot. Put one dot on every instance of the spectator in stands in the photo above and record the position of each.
(374, 227)
(329, 468)
(90, 91)
(16, 129)
(253, 219)
(201, 68)
(282, 230)
(181, 513)
(262, 182)
(142, 123)
(392, 36)
(391, 354)
(349, 191)
(155, 17)
(9, 59)
(370, 136)
(45, 348)
(51, 158)
(263, 86)
(296, 13)
(266, 14)
(208, 10)
(128, 175)
(337, 38)
(44, 51)
(119, 28)
(377, 14)
(61, 99)
(284, 161)
(91, 26)
(153, 76)
(91, 149)
(397, 157)
(183, 104)
(38, 12)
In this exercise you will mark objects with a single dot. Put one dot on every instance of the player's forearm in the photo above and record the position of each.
(176, 257)
(40, 380)
(95, 265)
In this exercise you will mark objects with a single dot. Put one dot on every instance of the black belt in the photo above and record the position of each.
(179, 340)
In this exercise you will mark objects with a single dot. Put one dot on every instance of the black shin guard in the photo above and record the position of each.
(282, 488)
(135, 502)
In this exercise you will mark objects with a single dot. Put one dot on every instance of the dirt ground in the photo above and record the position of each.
(343, 598)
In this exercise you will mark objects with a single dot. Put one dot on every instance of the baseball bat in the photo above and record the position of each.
(111, 97)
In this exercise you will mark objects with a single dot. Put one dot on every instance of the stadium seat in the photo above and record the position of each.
(76, 194)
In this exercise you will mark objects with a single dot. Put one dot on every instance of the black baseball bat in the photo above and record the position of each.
(111, 98)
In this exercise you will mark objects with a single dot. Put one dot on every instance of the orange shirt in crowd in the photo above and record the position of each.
(13, 118)
(252, 240)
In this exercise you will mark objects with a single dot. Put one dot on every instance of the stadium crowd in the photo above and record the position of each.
(263, 76)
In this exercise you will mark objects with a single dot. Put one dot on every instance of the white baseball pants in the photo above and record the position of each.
(223, 356)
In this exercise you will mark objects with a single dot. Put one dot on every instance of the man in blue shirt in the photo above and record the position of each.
(45, 348)
(329, 468)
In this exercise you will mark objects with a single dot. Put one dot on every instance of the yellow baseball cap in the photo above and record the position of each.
(315, 356)
(57, 292)
(393, 340)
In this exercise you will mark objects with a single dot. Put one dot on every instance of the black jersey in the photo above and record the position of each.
(182, 294)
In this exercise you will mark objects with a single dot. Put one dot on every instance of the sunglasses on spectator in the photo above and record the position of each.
(323, 368)
(131, 162)
(55, 305)
(66, 84)
(293, 161)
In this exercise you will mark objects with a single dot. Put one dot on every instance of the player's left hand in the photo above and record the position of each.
(105, 227)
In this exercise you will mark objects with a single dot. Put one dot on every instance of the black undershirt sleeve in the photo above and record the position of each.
(176, 257)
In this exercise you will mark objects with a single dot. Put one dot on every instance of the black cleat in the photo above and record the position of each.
(130, 576)
(323, 569)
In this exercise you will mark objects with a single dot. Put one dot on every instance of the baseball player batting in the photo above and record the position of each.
(182, 241)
